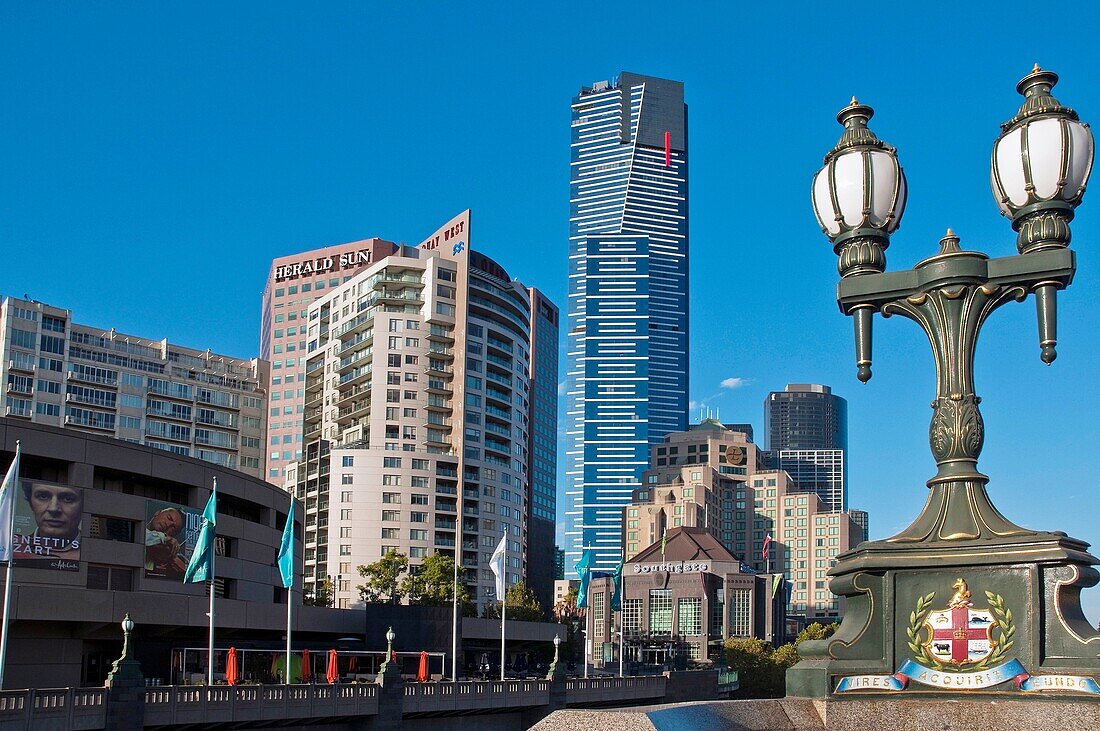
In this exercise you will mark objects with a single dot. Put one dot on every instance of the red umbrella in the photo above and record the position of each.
(333, 672)
(307, 666)
(422, 671)
(232, 669)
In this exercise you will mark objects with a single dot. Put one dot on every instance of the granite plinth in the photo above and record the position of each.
(850, 714)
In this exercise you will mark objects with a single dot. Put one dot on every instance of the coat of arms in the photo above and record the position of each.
(960, 637)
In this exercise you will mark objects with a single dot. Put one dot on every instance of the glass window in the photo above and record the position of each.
(660, 611)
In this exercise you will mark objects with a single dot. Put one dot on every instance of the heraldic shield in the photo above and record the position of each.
(960, 635)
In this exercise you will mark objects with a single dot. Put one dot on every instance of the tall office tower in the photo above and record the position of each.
(628, 306)
(293, 283)
(805, 416)
(807, 435)
(190, 402)
(430, 450)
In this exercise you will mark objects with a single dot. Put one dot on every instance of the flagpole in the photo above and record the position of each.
(622, 614)
(210, 642)
(9, 497)
(289, 606)
(454, 624)
(504, 603)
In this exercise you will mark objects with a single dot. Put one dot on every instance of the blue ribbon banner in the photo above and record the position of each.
(1011, 670)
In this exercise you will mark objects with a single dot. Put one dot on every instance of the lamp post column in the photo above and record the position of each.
(1021, 586)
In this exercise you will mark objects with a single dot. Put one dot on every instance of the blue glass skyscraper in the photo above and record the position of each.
(627, 384)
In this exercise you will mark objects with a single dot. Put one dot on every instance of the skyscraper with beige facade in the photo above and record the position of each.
(191, 402)
(422, 388)
(293, 283)
(712, 477)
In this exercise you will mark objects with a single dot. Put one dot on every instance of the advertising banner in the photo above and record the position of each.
(46, 526)
(171, 532)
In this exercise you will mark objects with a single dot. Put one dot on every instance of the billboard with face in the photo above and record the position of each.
(171, 532)
(46, 526)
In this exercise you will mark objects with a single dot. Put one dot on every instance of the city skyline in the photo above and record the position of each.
(117, 155)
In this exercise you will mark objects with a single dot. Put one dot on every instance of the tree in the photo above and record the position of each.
(565, 611)
(522, 603)
(432, 584)
(816, 631)
(763, 669)
(321, 596)
(384, 584)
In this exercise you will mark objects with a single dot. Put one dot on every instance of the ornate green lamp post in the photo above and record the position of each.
(963, 599)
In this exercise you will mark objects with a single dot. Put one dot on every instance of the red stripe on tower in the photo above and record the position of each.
(668, 149)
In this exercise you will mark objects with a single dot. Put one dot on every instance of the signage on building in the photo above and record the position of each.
(672, 567)
(323, 264)
(46, 526)
(453, 238)
(171, 532)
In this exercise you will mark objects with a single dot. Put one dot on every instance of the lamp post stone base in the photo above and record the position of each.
(996, 616)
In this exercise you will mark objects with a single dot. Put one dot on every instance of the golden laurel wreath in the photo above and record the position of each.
(1004, 625)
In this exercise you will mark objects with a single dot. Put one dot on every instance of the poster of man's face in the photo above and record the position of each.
(47, 521)
(171, 532)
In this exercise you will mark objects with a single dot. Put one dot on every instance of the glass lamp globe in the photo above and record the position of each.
(127, 624)
(1043, 157)
(861, 189)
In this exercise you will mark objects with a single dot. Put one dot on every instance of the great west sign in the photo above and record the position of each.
(323, 264)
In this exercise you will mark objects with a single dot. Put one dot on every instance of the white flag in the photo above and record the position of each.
(496, 563)
(7, 504)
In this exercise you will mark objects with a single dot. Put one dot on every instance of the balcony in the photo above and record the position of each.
(350, 413)
(359, 375)
(505, 363)
(174, 414)
(224, 421)
(21, 362)
(500, 413)
(441, 334)
(359, 321)
(438, 403)
(434, 349)
(345, 395)
(171, 390)
(439, 369)
(399, 295)
(361, 339)
(23, 409)
(437, 386)
(503, 380)
(356, 357)
(381, 280)
(20, 387)
(101, 380)
(500, 345)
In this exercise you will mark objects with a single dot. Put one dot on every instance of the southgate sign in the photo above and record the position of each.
(323, 264)
(672, 567)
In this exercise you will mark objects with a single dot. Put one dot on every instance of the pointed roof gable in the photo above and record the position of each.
(686, 544)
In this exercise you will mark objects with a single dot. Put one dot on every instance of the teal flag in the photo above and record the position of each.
(286, 549)
(199, 567)
(585, 574)
(617, 597)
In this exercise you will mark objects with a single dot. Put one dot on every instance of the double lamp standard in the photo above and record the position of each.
(960, 554)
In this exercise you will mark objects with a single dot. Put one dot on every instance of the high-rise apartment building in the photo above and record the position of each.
(293, 283)
(807, 435)
(713, 478)
(426, 390)
(627, 381)
(191, 402)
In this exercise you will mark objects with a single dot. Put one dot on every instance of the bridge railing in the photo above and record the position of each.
(79, 709)
(583, 691)
(470, 695)
(217, 704)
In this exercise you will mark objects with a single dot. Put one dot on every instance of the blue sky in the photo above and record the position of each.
(157, 156)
